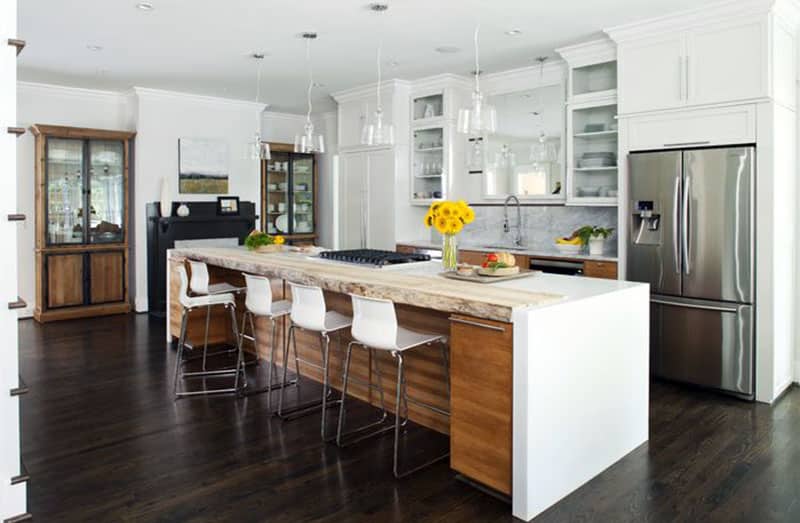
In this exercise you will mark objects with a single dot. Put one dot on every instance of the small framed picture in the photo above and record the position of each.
(228, 205)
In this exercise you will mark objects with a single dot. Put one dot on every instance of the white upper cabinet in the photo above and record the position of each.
(727, 64)
(352, 115)
(651, 75)
(705, 58)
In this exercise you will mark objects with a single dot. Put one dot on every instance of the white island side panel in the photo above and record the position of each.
(581, 393)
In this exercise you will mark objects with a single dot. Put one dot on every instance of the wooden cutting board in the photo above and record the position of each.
(477, 278)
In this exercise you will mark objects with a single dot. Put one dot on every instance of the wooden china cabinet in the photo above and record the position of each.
(289, 188)
(81, 222)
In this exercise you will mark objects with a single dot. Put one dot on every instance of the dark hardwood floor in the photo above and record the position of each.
(104, 441)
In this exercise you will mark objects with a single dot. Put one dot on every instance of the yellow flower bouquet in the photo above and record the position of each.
(449, 218)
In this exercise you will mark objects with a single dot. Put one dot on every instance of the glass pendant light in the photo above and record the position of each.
(480, 119)
(259, 149)
(309, 141)
(476, 155)
(505, 158)
(376, 131)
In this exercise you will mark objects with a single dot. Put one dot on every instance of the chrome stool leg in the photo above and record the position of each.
(238, 369)
(272, 368)
(179, 355)
(310, 407)
(340, 432)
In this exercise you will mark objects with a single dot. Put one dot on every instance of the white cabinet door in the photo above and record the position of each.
(351, 120)
(727, 64)
(352, 197)
(380, 182)
(651, 75)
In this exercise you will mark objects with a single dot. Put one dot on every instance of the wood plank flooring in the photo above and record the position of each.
(103, 441)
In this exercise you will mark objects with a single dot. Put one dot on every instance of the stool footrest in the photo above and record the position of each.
(304, 409)
(206, 373)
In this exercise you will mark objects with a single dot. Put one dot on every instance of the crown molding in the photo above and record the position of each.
(524, 78)
(689, 19)
(440, 81)
(64, 90)
(291, 117)
(587, 53)
(160, 94)
(362, 91)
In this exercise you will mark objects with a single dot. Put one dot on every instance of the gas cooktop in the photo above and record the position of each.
(373, 257)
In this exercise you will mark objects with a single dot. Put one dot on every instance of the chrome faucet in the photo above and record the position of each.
(506, 227)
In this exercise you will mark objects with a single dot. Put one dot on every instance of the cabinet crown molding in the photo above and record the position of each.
(692, 18)
(587, 53)
(363, 91)
(160, 94)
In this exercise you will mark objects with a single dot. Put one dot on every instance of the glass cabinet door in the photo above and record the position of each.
(106, 191)
(303, 194)
(65, 190)
(277, 194)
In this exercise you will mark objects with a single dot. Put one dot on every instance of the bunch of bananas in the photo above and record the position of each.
(572, 239)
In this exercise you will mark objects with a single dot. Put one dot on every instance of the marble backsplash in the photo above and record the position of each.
(541, 225)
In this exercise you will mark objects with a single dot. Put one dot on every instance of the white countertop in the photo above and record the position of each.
(542, 253)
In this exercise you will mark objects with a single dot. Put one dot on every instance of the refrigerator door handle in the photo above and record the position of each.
(676, 223)
(695, 306)
(687, 189)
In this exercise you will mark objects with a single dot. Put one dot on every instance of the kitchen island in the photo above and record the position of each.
(549, 374)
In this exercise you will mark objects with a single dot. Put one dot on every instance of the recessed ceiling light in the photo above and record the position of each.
(447, 49)
(145, 6)
(93, 47)
(514, 32)
(308, 35)
(377, 7)
(394, 63)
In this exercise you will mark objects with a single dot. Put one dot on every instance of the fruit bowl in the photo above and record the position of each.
(568, 248)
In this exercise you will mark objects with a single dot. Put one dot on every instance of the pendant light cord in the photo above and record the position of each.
(378, 86)
(477, 60)
(258, 81)
(310, 79)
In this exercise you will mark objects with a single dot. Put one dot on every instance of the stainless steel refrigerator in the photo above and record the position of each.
(692, 239)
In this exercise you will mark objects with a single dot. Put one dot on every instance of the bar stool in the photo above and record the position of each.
(189, 304)
(198, 284)
(375, 328)
(310, 313)
(259, 304)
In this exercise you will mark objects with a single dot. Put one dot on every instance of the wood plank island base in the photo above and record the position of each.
(549, 373)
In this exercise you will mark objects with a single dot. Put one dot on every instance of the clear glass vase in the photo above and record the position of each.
(449, 252)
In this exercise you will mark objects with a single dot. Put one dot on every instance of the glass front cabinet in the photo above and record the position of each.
(81, 222)
(289, 194)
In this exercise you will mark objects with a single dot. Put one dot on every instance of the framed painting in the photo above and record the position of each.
(202, 166)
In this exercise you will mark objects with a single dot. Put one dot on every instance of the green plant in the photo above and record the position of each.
(258, 239)
(589, 231)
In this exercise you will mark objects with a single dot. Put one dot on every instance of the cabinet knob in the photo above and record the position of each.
(19, 131)
(16, 217)
(19, 304)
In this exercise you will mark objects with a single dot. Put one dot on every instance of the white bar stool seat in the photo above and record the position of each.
(190, 303)
(375, 328)
(199, 286)
(259, 304)
(310, 313)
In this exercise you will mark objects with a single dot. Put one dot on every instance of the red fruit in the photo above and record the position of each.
(492, 257)
(485, 265)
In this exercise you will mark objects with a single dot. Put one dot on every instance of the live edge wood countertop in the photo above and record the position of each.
(408, 286)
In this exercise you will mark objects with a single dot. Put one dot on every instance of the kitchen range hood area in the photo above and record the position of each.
(402, 261)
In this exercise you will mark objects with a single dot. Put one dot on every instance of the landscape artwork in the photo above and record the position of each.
(202, 166)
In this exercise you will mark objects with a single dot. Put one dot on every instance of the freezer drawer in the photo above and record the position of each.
(704, 343)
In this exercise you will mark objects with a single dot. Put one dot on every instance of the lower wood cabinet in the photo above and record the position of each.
(75, 284)
(481, 356)
(106, 277)
(596, 269)
(65, 280)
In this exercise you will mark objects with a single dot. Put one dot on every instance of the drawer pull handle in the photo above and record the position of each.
(684, 144)
(16, 42)
(21, 389)
(19, 131)
(23, 475)
(19, 304)
(477, 324)
(16, 217)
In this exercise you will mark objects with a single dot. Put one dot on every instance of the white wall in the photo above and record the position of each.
(55, 105)
(12, 497)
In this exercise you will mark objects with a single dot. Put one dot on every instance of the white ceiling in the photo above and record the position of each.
(202, 46)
